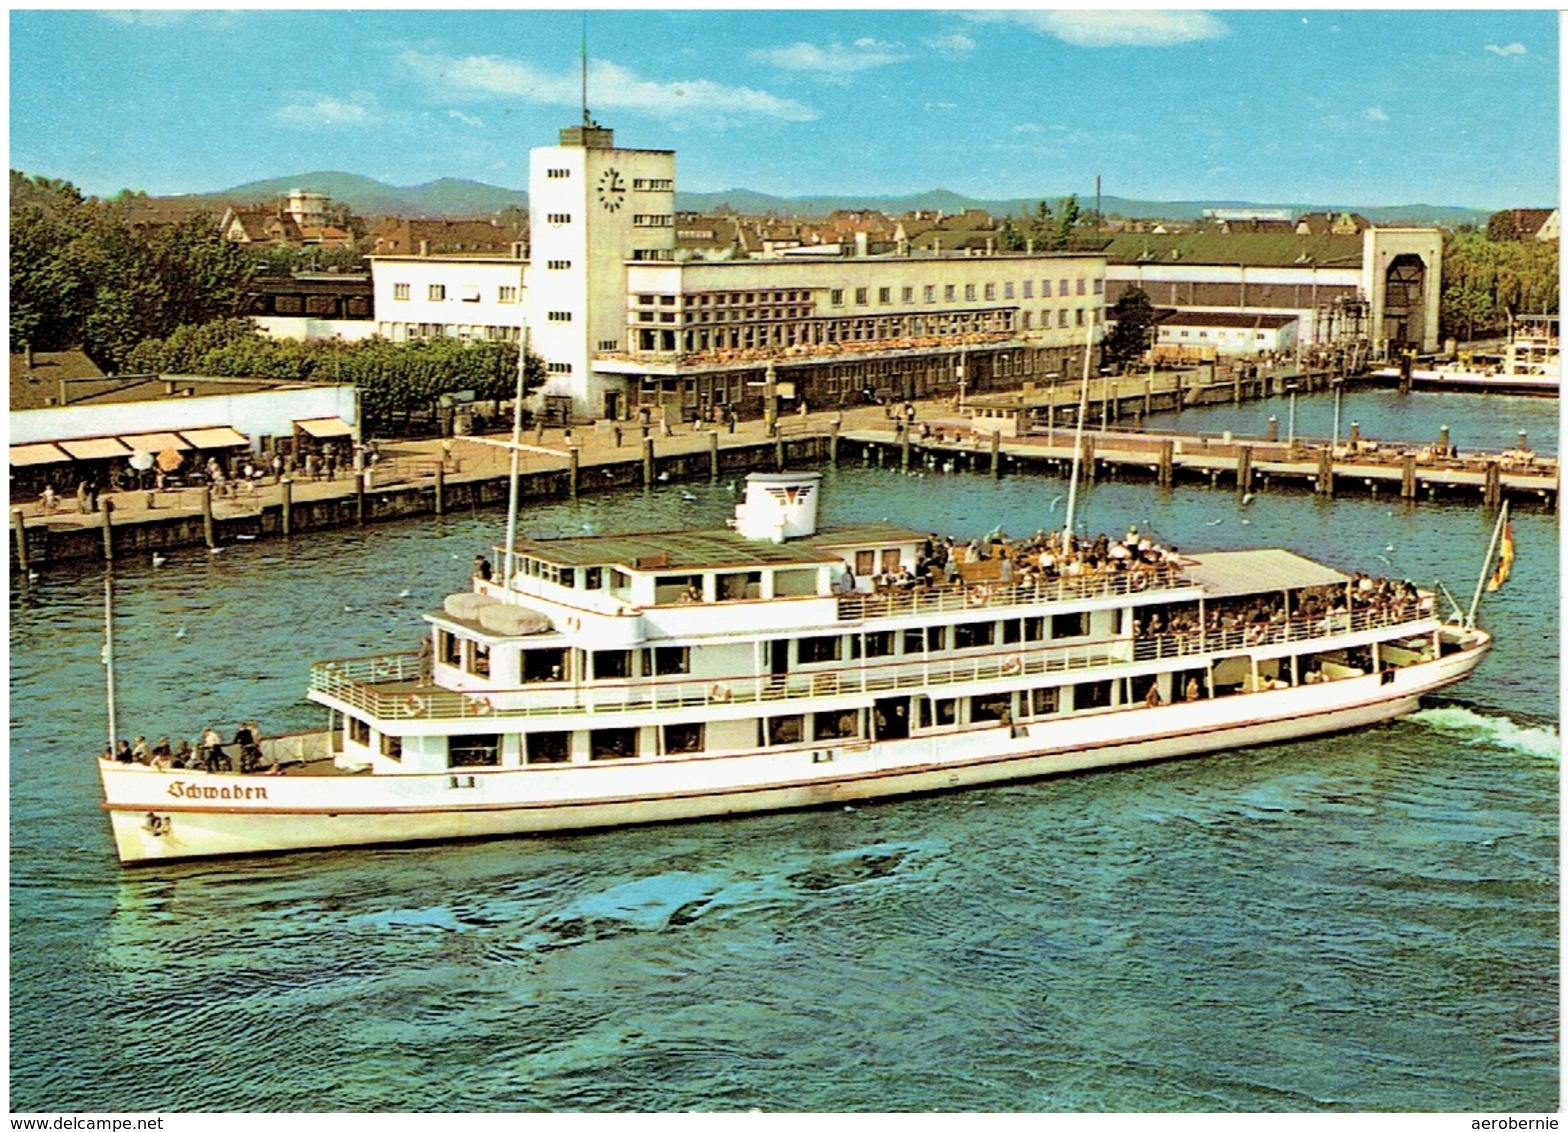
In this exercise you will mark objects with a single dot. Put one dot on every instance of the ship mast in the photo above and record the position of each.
(1083, 411)
(517, 441)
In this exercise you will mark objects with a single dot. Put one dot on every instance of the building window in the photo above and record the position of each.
(1099, 286)
(558, 218)
(990, 291)
(558, 367)
(950, 292)
(909, 294)
(1061, 317)
(559, 316)
(1083, 285)
(930, 293)
(557, 174)
(860, 296)
(400, 290)
(653, 220)
(559, 264)
(884, 294)
(969, 292)
(1079, 313)
(1007, 290)
(473, 750)
(836, 297)
(506, 295)
(437, 292)
(1064, 286)
(1028, 288)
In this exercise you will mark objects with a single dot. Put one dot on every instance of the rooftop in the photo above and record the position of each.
(1250, 249)
(1237, 573)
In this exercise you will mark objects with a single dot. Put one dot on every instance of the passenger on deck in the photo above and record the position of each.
(1153, 698)
(1193, 691)
(122, 752)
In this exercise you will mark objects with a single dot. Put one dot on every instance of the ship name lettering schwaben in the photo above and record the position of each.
(193, 790)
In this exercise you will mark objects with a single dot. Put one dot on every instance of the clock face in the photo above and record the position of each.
(612, 190)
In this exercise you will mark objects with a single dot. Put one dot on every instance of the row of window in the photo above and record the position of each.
(653, 184)
(653, 220)
(1241, 335)
(436, 293)
(410, 331)
(972, 292)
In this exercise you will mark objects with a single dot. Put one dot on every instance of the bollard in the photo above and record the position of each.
(572, 459)
(1442, 441)
(359, 498)
(1326, 472)
(19, 521)
(903, 449)
(441, 488)
(833, 443)
(996, 455)
(1148, 396)
(647, 460)
(1355, 433)
(1272, 435)
(713, 454)
(1524, 442)
(1492, 490)
(206, 516)
(108, 531)
(1407, 479)
(152, 500)
(288, 506)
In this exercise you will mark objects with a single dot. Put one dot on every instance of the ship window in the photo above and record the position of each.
(473, 750)
(834, 724)
(1069, 625)
(1034, 628)
(865, 563)
(945, 712)
(794, 583)
(936, 638)
(1043, 701)
(1012, 632)
(816, 650)
(891, 560)
(542, 665)
(1093, 694)
(879, 644)
(478, 658)
(974, 635)
(991, 709)
(593, 577)
(739, 587)
(449, 647)
(613, 743)
(548, 746)
(358, 731)
(671, 661)
(392, 747)
(785, 729)
(612, 664)
(914, 641)
(684, 738)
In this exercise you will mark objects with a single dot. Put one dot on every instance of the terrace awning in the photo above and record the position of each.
(104, 448)
(213, 438)
(323, 428)
(153, 441)
(30, 455)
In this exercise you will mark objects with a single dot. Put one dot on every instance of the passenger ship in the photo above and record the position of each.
(603, 681)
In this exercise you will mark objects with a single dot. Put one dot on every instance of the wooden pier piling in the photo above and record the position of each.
(441, 488)
(996, 455)
(1407, 479)
(713, 454)
(1243, 469)
(108, 530)
(19, 521)
(1325, 484)
(287, 492)
(207, 531)
(1167, 473)
(647, 460)
(573, 460)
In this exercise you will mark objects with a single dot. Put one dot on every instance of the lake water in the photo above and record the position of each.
(1360, 922)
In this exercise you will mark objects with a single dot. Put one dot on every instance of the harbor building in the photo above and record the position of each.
(622, 321)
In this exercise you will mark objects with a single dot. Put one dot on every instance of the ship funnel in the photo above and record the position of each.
(779, 506)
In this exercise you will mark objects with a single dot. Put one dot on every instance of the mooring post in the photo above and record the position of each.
(647, 460)
(1492, 492)
(1148, 396)
(1442, 441)
(359, 495)
(441, 488)
(1326, 471)
(903, 449)
(1167, 476)
(287, 486)
(996, 455)
(206, 516)
(833, 442)
(19, 522)
(1088, 459)
(108, 531)
(572, 460)
(1244, 470)
(713, 454)
(1407, 480)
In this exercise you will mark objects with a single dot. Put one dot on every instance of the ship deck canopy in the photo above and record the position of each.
(694, 551)
(1236, 573)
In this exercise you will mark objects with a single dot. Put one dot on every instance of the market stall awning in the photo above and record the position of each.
(213, 438)
(104, 448)
(29, 455)
(323, 427)
(153, 441)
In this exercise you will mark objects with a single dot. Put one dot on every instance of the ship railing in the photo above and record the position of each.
(359, 684)
(954, 599)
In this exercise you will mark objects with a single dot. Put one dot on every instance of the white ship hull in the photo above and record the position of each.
(170, 815)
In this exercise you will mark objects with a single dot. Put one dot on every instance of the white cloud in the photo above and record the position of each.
(1029, 128)
(955, 43)
(834, 59)
(1511, 49)
(1115, 28)
(1375, 114)
(466, 119)
(323, 111)
(610, 87)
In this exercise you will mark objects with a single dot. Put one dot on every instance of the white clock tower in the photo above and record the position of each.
(592, 207)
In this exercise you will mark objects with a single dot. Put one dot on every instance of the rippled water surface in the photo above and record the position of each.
(1366, 921)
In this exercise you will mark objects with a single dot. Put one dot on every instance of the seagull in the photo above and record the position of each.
(405, 593)
(1386, 562)
(1246, 499)
(664, 477)
(1055, 501)
(348, 609)
(180, 633)
(1214, 522)
(158, 559)
(1388, 550)
(215, 550)
(32, 575)
(688, 496)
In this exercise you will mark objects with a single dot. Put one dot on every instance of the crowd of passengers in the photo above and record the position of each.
(1258, 616)
(208, 754)
(1042, 558)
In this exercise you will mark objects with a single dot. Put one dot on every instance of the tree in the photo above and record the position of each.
(1066, 220)
(1009, 239)
(1133, 315)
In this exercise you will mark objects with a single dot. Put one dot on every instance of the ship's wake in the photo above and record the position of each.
(1541, 742)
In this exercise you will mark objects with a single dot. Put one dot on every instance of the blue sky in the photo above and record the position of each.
(1360, 107)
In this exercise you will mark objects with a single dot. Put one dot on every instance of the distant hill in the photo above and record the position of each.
(453, 198)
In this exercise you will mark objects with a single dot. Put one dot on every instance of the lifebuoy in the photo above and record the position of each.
(414, 705)
(477, 705)
(718, 693)
(1012, 666)
(979, 595)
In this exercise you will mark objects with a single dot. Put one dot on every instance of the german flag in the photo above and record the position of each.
(1505, 559)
